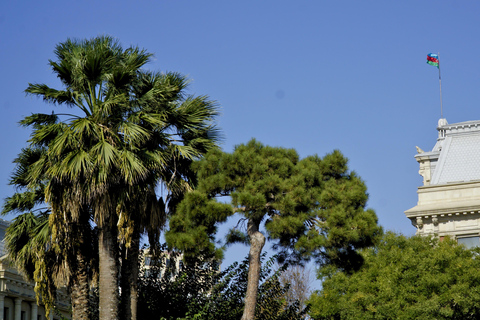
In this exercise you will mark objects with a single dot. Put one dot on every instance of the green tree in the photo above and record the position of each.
(404, 278)
(185, 134)
(87, 158)
(129, 129)
(49, 262)
(309, 207)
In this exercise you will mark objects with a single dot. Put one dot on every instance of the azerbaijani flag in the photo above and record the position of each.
(432, 59)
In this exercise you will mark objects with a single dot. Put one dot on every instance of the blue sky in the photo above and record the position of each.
(310, 75)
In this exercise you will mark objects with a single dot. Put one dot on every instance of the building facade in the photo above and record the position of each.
(449, 200)
(17, 296)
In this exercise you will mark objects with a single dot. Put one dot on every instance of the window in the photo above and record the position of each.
(148, 261)
(6, 314)
(469, 242)
(23, 315)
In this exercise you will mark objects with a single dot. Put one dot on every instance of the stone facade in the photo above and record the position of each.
(17, 296)
(449, 200)
(169, 259)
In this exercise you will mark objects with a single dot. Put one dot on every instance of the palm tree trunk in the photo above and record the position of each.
(257, 241)
(108, 269)
(129, 278)
(80, 281)
(80, 290)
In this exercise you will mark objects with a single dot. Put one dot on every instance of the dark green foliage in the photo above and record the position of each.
(311, 207)
(195, 224)
(404, 278)
(200, 291)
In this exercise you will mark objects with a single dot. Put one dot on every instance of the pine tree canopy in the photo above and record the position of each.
(311, 207)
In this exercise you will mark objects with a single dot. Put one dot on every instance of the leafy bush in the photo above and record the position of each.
(404, 278)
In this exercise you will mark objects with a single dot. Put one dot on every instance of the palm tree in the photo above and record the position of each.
(130, 129)
(88, 155)
(28, 242)
(50, 262)
(185, 135)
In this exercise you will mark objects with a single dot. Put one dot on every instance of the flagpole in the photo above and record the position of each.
(440, 82)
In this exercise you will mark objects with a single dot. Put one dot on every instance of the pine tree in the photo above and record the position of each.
(311, 207)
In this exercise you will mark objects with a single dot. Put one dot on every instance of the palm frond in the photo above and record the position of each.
(85, 128)
(156, 120)
(77, 163)
(104, 154)
(196, 112)
(23, 201)
(39, 119)
(51, 95)
(131, 168)
(133, 134)
(64, 140)
(18, 242)
(21, 177)
(45, 134)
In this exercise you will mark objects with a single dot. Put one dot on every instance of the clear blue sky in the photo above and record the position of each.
(309, 75)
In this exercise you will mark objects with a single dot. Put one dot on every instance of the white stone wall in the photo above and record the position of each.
(449, 200)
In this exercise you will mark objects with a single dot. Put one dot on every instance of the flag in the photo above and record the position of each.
(432, 59)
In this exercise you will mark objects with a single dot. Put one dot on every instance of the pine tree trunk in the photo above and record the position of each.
(80, 290)
(129, 278)
(257, 241)
(108, 280)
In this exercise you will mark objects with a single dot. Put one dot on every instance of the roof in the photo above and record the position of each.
(458, 149)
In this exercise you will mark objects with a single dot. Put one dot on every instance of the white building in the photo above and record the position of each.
(169, 260)
(449, 200)
(17, 297)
